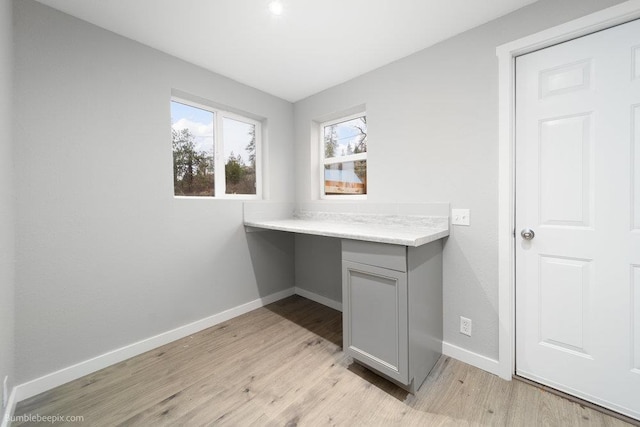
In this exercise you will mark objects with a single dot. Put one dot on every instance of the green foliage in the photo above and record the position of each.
(192, 170)
(251, 147)
(240, 178)
(330, 141)
(234, 169)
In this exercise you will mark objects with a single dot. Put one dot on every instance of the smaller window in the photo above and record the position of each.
(215, 153)
(344, 154)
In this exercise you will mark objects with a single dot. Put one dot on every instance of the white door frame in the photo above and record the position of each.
(606, 18)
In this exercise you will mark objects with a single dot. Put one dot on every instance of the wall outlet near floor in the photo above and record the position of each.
(5, 391)
(465, 326)
(460, 217)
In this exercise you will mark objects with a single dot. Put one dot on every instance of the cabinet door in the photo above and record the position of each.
(375, 318)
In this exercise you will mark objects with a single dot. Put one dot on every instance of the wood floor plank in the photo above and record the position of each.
(282, 365)
(168, 356)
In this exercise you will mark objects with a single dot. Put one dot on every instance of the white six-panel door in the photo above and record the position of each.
(578, 189)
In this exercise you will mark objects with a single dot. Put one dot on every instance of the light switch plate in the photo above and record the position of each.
(460, 217)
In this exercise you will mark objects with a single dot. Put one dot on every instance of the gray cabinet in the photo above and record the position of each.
(392, 308)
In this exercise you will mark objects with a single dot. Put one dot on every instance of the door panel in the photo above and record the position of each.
(565, 78)
(374, 309)
(375, 324)
(578, 188)
(564, 290)
(565, 172)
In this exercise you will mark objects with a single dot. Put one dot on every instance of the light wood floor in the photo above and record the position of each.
(282, 365)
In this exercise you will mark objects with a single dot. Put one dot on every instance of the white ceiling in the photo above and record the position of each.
(313, 45)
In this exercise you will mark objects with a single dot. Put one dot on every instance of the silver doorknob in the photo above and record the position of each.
(527, 234)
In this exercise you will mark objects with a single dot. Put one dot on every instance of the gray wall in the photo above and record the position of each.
(433, 136)
(106, 255)
(317, 265)
(7, 204)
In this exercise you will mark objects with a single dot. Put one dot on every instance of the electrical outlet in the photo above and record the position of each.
(465, 326)
(5, 391)
(460, 217)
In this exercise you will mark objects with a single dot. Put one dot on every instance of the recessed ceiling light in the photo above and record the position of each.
(275, 7)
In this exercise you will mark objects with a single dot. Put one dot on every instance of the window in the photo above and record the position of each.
(344, 154)
(215, 153)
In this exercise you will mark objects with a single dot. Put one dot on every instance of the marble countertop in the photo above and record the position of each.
(404, 230)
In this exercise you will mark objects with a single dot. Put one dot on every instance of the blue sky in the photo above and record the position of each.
(193, 114)
(200, 124)
(198, 121)
(347, 133)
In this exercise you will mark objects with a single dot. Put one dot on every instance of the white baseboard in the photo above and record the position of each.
(318, 298)
(55, 379)
(474, 359)
(9, 409)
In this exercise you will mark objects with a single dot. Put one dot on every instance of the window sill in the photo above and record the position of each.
(344, 197)
(239, 197)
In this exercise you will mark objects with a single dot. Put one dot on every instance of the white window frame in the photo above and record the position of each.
(339, 159)
(220, 183)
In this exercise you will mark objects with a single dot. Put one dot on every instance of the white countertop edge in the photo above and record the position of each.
(430, 238)
(424, 236)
